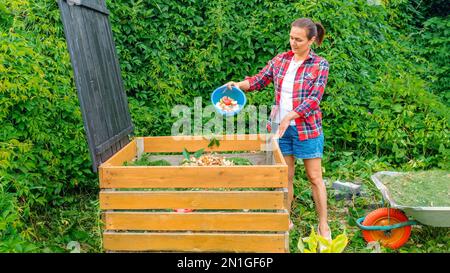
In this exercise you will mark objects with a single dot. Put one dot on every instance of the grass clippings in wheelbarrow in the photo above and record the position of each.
(419, 189)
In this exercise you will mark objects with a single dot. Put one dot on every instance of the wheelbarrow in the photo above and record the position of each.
(391, 226)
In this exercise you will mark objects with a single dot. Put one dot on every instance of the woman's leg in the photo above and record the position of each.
(290, 161)
(313, 169)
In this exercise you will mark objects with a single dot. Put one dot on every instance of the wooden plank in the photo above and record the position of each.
(192, 199)
(93, 75)
(195, 242)
(286, 242)
(161, 144)
(93, 6)
(103, 45)
(197, 221)
(127, 153)
(192, 176)
(279, 158)
(97, 76)
(73, 23)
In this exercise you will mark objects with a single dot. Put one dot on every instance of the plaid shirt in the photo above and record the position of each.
(309, 85)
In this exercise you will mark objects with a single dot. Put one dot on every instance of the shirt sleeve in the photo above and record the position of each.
(263, 78)
(312, 102)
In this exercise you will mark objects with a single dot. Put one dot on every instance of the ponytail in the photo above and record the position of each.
(320, 33)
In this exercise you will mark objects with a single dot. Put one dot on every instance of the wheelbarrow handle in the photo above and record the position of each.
(399, 225)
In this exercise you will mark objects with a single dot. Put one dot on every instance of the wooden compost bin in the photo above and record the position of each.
(236, 208)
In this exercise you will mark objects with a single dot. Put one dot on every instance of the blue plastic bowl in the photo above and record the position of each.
(234, 93)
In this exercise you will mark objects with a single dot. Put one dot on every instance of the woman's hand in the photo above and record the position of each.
(243, 85)
(284, 124)
(231, 84)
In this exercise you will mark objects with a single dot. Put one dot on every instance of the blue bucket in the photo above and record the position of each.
(234, 93)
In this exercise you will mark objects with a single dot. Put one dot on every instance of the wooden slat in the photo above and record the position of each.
(127, 153)
(192, 199)
(251, 142)
(197, 221)
(279, 159)
(193, 176)
(195, 242)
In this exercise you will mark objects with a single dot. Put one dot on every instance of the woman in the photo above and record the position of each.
(299, 78)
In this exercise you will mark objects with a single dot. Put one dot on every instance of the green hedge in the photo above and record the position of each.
(434, 41)
(43, 152)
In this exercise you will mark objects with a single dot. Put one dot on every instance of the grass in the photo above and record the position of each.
(145, 161)
(79, 221)
(419, 189)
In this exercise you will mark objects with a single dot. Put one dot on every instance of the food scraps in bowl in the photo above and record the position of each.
(227, 104)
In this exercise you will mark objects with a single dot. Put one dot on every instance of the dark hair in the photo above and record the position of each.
(313, 29)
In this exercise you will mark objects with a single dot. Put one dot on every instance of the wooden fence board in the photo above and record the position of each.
(193, 177)
(197, 221)
(272, 200)
(194, 143)
(195, 242)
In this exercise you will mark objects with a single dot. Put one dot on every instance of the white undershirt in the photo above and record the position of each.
(287, 88)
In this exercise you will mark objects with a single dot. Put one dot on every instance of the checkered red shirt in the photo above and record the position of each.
(309, 85)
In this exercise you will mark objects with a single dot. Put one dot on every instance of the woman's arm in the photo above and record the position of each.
(243, 85)
(284, 124)
(258, 81)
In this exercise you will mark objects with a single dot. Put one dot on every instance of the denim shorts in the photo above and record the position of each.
(290, 144)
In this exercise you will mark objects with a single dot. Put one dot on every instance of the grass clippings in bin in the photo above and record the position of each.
(419, 189)
(145, 161)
